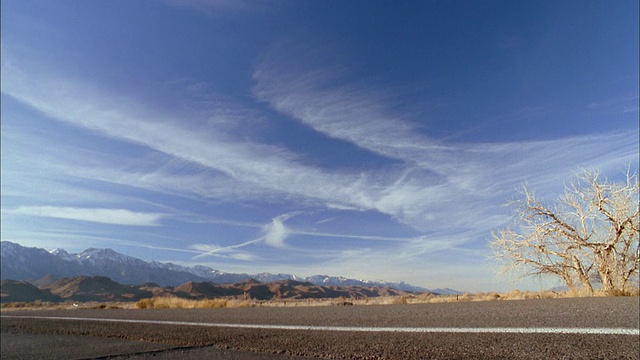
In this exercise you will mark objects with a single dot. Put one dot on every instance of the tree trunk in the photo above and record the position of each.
(606, 270)
(582, 276)
(569, 281)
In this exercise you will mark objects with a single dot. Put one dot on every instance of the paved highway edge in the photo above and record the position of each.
(477, 330)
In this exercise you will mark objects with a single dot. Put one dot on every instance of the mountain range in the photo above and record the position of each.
(29, 263)
(103, 289)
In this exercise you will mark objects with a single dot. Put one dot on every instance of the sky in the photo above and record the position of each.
(374, 140)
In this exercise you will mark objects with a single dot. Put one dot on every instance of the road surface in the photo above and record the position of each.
(606, 328)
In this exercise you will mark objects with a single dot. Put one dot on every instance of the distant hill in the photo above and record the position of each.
(22, 291)
(101, 288)
(27, 263)
(95, 288)
(205, 290)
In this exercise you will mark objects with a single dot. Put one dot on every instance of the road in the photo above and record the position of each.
(532, 329)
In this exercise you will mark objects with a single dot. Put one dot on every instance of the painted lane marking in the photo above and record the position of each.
(496, 330)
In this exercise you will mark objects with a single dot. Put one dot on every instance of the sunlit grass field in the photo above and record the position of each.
(181, 303)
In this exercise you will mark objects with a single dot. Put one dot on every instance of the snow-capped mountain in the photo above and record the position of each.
(343, 281)
(61, 253)
(266, 277)
(24, 263)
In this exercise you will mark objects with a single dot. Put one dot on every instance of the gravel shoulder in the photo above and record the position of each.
(24, 345)
(18, 344)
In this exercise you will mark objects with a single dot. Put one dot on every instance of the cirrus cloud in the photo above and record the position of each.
(96, 215)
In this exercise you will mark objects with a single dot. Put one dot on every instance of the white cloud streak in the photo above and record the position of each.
(440, 179)
(445, 184)
(264, 168)
(96, 215)
(273, 235)
(227, 252)
(351, 236)
(276, 232)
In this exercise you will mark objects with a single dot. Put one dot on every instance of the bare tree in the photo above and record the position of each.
(589, 234)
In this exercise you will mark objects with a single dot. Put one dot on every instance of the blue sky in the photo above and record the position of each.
(374, 140)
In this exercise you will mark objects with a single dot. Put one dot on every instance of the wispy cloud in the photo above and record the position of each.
(320, 234)
(228, 252)
(96, 215)
(273, 235)
(324, 221)
(455, 184)
(265, 168)
(442, 185)
(619, 105)
(276, 232)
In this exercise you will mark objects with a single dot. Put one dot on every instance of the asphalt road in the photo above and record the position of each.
(531, 329)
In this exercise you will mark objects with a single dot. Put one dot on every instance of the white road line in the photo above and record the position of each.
(496, 330)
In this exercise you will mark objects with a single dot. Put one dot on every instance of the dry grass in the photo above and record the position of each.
(180, 303)
(69, 305)
(28, 305)
(175, 303)
(486, 296)
(512, 295)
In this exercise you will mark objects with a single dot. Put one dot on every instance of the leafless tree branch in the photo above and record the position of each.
(589, 234)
